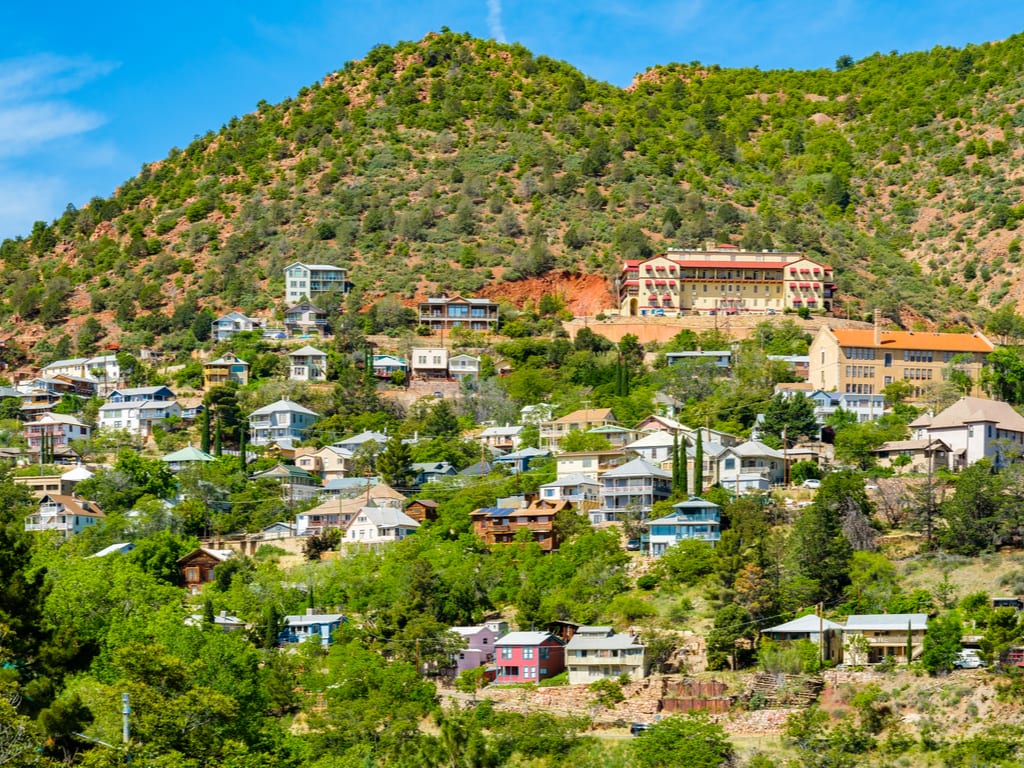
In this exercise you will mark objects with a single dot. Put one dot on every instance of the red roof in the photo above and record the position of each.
(733, 264)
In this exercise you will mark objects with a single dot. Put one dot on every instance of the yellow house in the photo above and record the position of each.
(225, 369)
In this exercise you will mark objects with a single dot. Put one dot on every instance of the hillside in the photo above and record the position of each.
(465, 165)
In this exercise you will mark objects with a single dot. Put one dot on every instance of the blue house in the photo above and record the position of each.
(694, 518)
(519, 461)
(306, 625)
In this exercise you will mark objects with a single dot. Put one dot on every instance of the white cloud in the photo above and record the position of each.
(25, 127)
(494, 25)
(31, 110)
(27, 198)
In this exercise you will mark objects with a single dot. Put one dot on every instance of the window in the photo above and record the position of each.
(527, 654)
(506, 653)
(544, 652)
(192, 574)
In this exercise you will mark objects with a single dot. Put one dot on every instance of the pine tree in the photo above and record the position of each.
(395, 463)
(217, 440)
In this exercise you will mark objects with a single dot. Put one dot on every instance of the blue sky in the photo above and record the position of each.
(88, 93)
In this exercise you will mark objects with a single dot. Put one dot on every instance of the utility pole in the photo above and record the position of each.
(125, 711)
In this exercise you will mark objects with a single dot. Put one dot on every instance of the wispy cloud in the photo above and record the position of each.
(494, 25)
(33, 110)
(26, 198)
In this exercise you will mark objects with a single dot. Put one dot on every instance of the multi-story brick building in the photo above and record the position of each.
(723, 278)
(864, 361)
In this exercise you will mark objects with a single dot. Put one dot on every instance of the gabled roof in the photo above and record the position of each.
(638, 468)
(73, 504)
(974, 410)
(305, 306)
(573, 478)
(307, 351)
(58, 418)
(386, 517)
(523, 453)
(933, 444)
(887, 622)
(943, 342)
(227, 360)
(754, 448)
(307, 619)
(217, 554)
(282, 406)
(808, 623)
(284, 472)
(587, 641)
(509, 430)
(525, 638)
(78, 473)
(586, 414)
(660, 439)
(121, 548)
(363, 437)
(321, 267)
(187, 454)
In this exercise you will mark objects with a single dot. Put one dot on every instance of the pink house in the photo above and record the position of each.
(528, 657)
(480, 645)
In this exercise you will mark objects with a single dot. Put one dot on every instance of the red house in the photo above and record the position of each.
(528, 657)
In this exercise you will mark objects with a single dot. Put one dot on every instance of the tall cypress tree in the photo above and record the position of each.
(243, 440)
(698, 465)
(684, 475)
(217, 438)
(204, 440)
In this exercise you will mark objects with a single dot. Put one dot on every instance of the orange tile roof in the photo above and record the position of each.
(945, 342)
(584, 414)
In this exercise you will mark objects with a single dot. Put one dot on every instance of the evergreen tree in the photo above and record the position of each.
(204, 440)
(698, 465)
(243, 447)
(218, 439)
(395, 463)
(821, 553)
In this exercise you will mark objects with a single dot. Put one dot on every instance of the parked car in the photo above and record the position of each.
(811, 482)
(968, 659)
(635, 729)
(633, 545)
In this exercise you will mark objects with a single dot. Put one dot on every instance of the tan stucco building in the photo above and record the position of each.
(724, 278)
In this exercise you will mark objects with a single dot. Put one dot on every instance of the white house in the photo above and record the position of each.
(429, 362)
(67, 515)
(59, 429)
(656, 447)
(313, 281)
(281, 420)
(582, 490)
(598, 653)
(637, 484)
(974, 428)
(504, 438)
(307, 364)
(226, 326)
(464, 367)
(136, 415)
(380, 525)
(750, 466)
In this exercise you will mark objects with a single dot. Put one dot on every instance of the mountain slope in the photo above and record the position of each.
(454, 163)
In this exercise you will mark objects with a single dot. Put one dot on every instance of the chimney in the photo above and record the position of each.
(878, 327)
(309, 612)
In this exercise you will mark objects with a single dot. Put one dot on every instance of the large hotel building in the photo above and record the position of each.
(726, 279)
